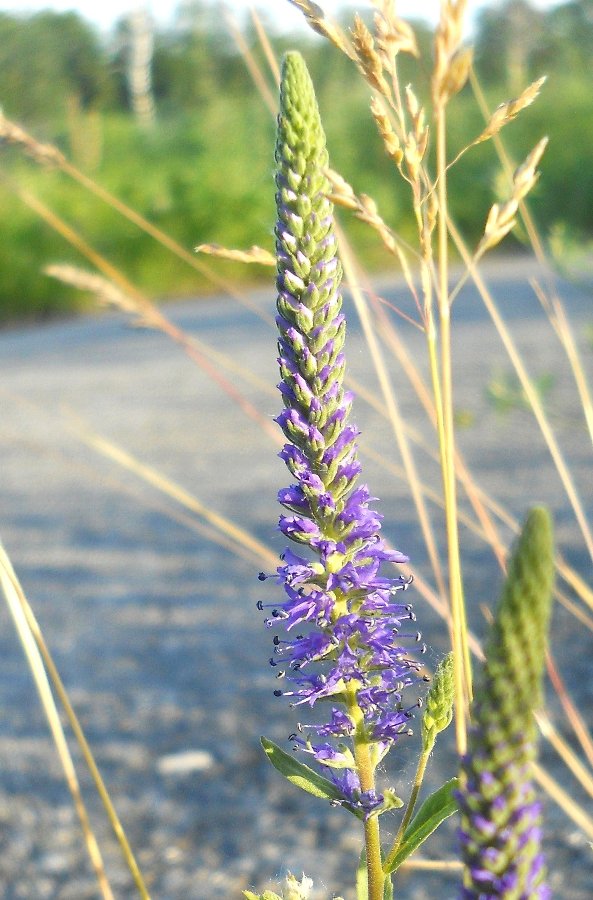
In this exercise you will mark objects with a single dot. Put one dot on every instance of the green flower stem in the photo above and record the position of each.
(421, 769)
(366, 773)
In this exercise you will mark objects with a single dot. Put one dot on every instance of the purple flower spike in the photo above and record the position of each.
(341, 616)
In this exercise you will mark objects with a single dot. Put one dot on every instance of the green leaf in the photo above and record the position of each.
(435, 809)
(362, 884)
(304, 777)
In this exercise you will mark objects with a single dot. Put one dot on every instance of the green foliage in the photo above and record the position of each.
(435, 809)
(505, 394)
(45, 59)
(174, 175)
(302, 776)
(212, 137)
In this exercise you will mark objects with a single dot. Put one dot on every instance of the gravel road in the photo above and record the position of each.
(153, 624)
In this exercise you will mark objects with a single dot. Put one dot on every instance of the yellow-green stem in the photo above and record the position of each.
(460, 644)
(422, 762)
(366, 775)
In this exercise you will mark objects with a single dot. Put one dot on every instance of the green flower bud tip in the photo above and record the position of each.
(500, 815)
(439, 703)
(515, 653)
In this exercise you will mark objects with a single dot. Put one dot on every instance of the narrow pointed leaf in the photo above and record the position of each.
(304, 777)
(435, 809)
(362, 883)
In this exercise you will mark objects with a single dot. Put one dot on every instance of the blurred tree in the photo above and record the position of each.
(194, 60)
(569, 38)
(46, 58)
(508, 38)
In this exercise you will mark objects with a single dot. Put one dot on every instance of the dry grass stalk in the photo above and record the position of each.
(265, 45)
(316, 20)
(45, 154)
(106, 292)
(432, 865)
(29, 634)
(575, 812)
(369, 61)
(392, 34)
(392, 411)
(549, 298)
(259, 551)
(572, 713)
(255, 254)
(527, 385)
(252, 67)
(568, 756)
(14, 135)
(149, 316)
(365, 209)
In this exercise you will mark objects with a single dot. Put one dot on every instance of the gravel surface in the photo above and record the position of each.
(153, 624)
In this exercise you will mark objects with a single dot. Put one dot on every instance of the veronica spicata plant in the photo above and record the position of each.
(344, 635)
(500, 813)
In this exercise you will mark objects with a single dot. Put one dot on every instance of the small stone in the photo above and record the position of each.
(185, 763)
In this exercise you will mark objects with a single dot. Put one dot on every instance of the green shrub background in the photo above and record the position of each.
(203, 172)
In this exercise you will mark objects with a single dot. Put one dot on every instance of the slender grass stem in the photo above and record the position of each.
(19, 610)
(89, 759)
(418, 779)
(565, 752)
(552, 305)
(172, 490)
(530, 391)
(392, 408)
(147, 310)
(460, 645)
(575, 812)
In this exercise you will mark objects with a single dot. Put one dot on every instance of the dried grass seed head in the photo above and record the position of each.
(107, 293)
(316, 20)
(448, 38)
(390, 139)
(393, 35)
(14, 135)
(510, 109)
(369, 61)
(525, 175)
(254, 254)
(342, 193)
